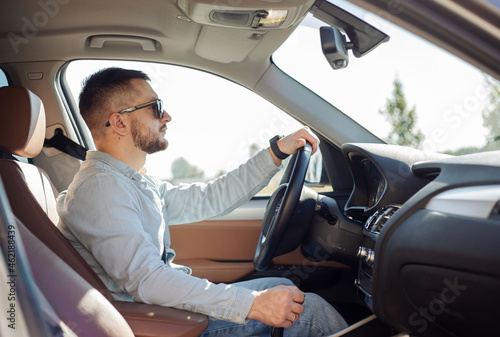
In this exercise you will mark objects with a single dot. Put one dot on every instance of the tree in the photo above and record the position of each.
(219, 174)
(403, 119)
(254, 148)
(491, 114)
(181, 169)
(491, 120)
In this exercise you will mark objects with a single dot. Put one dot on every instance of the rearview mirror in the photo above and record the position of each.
(334, 46)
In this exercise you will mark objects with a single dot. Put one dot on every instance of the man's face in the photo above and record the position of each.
(147, 139)
(148, 131)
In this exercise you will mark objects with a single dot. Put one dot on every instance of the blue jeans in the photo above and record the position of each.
(318, 319)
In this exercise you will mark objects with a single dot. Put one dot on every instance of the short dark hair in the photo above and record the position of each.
(100, 89)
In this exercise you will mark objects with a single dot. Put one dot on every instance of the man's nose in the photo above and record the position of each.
(166, 117)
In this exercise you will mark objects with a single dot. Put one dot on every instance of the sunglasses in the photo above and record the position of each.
(157, 104)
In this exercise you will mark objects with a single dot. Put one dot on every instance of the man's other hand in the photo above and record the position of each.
(279, 306)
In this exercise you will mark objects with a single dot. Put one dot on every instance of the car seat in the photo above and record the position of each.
(32, 198)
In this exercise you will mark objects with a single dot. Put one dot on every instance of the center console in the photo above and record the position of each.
(366, 252)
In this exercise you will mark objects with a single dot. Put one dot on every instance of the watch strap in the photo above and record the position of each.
(276, 150)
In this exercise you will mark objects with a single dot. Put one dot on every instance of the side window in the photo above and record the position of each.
(3, 79)
(216, 124)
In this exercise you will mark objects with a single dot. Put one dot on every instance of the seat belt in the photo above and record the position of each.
(64, 144)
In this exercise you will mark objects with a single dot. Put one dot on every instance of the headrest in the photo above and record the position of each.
(22, 122)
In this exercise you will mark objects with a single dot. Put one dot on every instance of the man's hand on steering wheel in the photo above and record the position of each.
(286, 199)
(294, 141)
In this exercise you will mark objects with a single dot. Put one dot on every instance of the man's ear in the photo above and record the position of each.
(117, 124)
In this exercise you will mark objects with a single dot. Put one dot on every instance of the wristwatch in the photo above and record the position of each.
(276, 150)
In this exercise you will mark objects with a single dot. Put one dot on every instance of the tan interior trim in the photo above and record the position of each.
(216, 240)
(218, 271)
(223, 251)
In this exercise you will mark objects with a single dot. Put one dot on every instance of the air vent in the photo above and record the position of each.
(375, 223)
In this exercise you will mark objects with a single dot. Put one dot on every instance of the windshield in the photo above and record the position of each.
(406, 91)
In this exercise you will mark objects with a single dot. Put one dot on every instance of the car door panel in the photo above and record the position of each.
(223, 250)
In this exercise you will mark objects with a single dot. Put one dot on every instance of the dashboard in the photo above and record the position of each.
(382, 175)
(423, 231)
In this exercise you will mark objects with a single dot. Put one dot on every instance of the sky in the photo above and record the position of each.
(3, 80)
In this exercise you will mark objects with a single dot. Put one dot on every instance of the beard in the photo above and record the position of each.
(147, 140)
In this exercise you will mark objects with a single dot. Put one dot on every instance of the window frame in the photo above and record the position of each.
(5, 76)
(85, 134)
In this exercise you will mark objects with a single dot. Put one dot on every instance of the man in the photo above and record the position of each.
(117, 217)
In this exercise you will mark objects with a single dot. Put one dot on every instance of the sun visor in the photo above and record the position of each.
(226, 45)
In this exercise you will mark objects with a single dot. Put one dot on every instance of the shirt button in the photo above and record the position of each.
(128, 174)
(142, 185)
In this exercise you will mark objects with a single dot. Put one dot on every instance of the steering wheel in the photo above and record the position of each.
(281, 207)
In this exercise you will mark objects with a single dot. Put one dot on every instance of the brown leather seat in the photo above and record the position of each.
(78, 305)
(32, 198)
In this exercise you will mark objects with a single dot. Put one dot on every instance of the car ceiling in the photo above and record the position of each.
(66, 36)
(238, 54)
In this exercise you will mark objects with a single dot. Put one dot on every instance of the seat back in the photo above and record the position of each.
(32, 199)
(76, 303)
(30, 192)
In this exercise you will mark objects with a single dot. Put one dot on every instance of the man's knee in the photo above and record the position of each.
(315, 301)
(318, 310)
(264, 283)
(271, 282)
(284, 281)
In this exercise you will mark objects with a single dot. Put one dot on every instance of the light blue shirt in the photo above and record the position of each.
(118, 219)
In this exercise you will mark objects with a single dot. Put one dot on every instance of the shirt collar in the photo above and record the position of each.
(116, 164)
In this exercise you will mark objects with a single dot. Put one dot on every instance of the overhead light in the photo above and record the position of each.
(271, 18)
(274, 18)
(247, 14)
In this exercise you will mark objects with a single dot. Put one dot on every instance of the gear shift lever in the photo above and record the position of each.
(277, 332)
